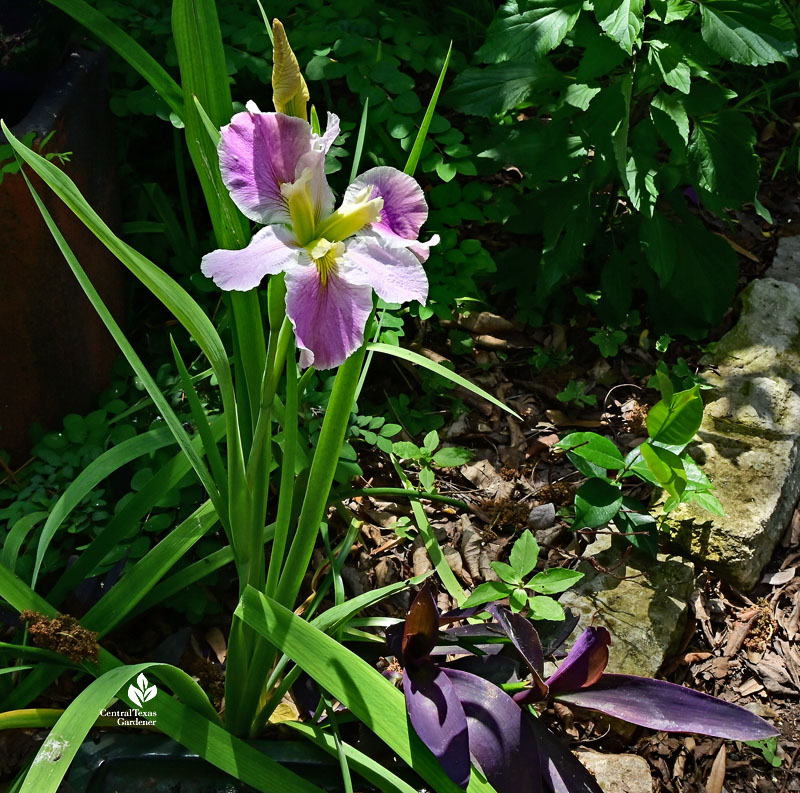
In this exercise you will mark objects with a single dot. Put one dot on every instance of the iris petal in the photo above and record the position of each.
(257, 153)
(328, 318)
(389, 267)
(272, 250)
(404, 208)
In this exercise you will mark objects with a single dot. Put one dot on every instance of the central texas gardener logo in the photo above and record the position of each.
(141, 691)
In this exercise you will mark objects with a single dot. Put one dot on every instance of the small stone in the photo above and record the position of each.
(542, 517)
(618, 773)
(642, 602)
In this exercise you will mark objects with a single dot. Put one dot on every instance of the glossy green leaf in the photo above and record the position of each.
(723, 158)
(524, 554)
(99, 469)
(622, 20)
(553, 580)
(596, 503)
(142, 576)
(595, 448)
(676, 422)
(488, 592)
(666, 467)
(419, 141)
(545, 608)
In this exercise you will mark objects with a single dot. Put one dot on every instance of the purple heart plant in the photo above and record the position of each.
(465, 719)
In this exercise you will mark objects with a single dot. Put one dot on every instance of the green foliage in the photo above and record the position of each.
(429, 457)
(575, 392)
(661, 460)
(623, 112)
(526, 592)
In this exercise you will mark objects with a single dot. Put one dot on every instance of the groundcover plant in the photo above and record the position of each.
(461, 715)
(323, 265)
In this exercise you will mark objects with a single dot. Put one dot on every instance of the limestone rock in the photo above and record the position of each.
(786, 264)
(645, 612)
(618, 773)
(749, 442)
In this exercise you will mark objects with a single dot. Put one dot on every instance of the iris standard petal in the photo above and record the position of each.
(325, 141)
(272, 250)
(392, 270)
(404, 208)
(257, 153)
(328, 318)
(317, 185)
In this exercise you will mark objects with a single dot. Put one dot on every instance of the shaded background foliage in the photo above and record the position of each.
(636, 117)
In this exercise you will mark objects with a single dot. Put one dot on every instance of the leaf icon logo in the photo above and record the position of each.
(141, 692)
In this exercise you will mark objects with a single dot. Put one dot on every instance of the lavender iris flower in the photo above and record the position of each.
(274, 168)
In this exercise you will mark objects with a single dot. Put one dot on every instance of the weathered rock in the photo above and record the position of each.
(618, 773)
(786, 264)
(749, 442)
(642, 603)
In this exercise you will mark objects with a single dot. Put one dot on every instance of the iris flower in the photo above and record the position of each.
(274, 168)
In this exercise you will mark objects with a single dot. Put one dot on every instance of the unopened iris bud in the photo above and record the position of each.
(289, 90)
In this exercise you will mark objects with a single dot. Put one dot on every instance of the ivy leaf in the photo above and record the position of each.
(530, 33)
(622, 20)
(596, 503)
(524, 554)
(556, 579)
(752, 32)
(722, 156)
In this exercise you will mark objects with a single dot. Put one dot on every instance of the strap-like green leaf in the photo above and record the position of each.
(94, 473)
(360, 687)
(425, 363)
(419, 142)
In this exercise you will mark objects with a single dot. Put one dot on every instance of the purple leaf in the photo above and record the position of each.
(524, 637)
(562, 772)
(585, 663)
(497, 669)
(422, 625)
(666, 706)
(500, 739)
(438, 717)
